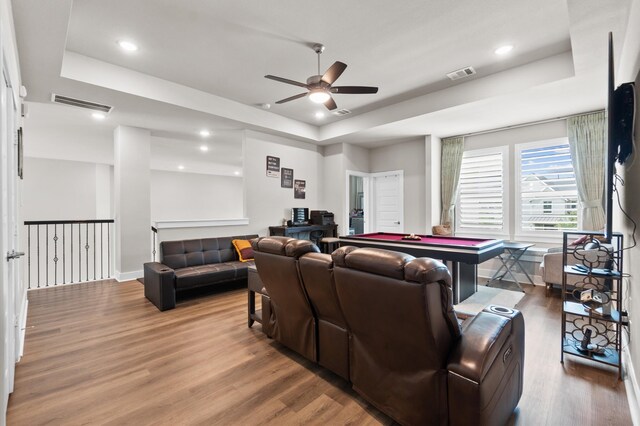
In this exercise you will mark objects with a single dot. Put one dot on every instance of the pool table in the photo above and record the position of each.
(461, 254)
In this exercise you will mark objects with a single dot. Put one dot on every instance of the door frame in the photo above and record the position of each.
(366, 204)
(369, 195)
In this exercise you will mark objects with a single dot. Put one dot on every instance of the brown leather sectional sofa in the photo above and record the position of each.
(385, 322)
(189, 264)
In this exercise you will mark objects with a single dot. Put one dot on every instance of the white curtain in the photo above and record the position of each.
(588, 154)
(450, 162)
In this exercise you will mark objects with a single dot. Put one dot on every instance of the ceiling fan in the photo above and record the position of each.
(320, 87)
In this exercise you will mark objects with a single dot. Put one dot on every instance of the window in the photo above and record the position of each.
(548, 195)
(481, 195)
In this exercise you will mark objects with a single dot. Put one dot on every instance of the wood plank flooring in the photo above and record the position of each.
(100, 353)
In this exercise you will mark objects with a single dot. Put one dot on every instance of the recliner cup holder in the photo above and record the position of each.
(501, 310)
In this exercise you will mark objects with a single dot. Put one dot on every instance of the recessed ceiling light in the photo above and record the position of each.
(180, 167)
(205, 133)
(237, 173)
(204, 148)
(503, 50)
(319, 114)
(128, 45)
(99, 115)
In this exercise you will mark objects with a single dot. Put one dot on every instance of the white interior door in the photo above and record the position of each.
(388, 190)
(9, 266)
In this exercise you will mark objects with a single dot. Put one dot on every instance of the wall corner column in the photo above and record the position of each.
(132, 201)
(432, 150)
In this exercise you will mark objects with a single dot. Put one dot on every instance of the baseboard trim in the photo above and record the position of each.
(22, 328)
(128, 276)
(631, 385)
(71, 284)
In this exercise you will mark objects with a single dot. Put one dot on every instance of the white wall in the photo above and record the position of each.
(267, 204)
(356, 158)
(78, 143)
(334, 185)
(629, 70)
(433, 200)
(408, 157)
(337, 160)
(132, 201)
(65, 190)
(260, 199)
(193, 196)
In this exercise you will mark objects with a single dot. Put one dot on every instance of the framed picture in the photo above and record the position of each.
(20, 153)
(286, 178)
(273, 166)
(299, 187)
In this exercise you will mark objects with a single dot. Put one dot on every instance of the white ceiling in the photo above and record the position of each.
(202, 63)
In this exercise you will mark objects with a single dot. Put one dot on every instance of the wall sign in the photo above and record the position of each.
(286, 179)
(273, 166)
(299, 187)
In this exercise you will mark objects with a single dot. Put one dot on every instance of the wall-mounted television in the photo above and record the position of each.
(622, 116)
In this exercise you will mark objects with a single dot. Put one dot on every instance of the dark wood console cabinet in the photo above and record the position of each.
(316, 232)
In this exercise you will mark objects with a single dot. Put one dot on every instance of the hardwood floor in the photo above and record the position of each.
(100, 353)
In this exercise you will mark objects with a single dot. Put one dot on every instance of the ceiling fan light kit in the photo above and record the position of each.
(319, 96)
(319, 87)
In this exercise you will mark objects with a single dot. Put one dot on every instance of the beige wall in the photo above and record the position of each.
(410, 158)
(337, 160)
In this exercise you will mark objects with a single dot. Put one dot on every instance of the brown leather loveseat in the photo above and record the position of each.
(188, 264)
(385, 321)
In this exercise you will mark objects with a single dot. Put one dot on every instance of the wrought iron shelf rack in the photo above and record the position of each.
(600, 263)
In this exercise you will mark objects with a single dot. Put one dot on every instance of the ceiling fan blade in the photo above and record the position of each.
(330, 104)
(334, 72)
(292, 98)
(353, 89)
(286, 80)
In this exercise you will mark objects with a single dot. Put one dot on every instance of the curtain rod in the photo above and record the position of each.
(531, 123)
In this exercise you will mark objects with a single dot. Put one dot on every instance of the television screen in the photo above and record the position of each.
(299, 215)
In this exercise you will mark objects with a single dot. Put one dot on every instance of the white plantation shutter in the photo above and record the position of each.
(548, 193)
(481, 203)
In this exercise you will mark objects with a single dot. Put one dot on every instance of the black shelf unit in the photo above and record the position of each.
(602, 259)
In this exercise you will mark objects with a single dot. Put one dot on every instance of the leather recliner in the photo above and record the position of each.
(408, 354)
(291, 320)
(385, 321)
(316, 270)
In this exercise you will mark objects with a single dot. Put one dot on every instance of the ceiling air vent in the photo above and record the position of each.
(461, 73)
(65, 100)
(341, 112)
